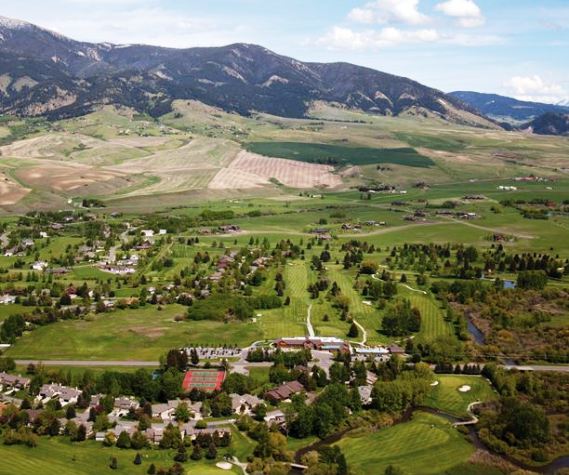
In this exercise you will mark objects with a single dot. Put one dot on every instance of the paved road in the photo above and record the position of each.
(364, 333)
(325, 360)
(309, 326)
(90, 363)
(539, 368)
(414, 290)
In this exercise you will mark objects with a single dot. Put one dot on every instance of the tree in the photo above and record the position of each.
(368, 267)
(211, 452)
(197, 453)
(182, 412)
(123, 442)
(353, 332)
(81, 433)
(393, 470)
(151, 469)
(70, 412)
(195, 359)
(138, 441)
(171, 437)
(137, 459)
(114, 463)
(110, 440)
(181, 455)
(526, 421)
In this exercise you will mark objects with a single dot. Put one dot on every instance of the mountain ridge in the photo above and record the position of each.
(45, 73)
(507, 108)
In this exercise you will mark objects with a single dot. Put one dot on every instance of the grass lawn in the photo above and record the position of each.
(425, 445)
(289, 320)
(366, 315)
(133, 334)
(259, 374)
(447, 397)
(58, 456)
(432, 320)
(13, 309)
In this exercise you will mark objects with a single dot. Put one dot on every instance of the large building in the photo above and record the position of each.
(322, 343)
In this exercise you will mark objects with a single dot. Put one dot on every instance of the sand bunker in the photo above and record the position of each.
(224, 465)
(464, 389)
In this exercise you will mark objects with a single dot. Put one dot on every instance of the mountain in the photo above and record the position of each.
(550, 123)
(507, 109)
(45, 73)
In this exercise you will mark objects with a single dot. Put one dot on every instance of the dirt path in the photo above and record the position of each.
(395, 229)
(484, 228)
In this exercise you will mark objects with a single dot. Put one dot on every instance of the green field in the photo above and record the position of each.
(446, 396)
(58, 456)
(426, 445)
(340, 155)
(289, 320)
(141, 334)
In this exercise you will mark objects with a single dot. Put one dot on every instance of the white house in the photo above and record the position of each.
(244, 404)
(64, 394)
(7, 299)
(39, 265)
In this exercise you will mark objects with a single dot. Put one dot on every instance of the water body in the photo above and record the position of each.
(478, 336)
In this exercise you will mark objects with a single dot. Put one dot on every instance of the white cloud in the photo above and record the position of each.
(466, 12)
(341, 38)
(385, 11)
(534, 88)
(346, 38)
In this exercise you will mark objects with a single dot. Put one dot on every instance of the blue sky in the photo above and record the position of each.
(513, 47)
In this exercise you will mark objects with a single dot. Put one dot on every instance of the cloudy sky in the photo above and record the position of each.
(512, 47)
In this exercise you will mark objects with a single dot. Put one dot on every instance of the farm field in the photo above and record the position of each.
(339, 155)
(447, 397)
(427, 445)
(195, 153)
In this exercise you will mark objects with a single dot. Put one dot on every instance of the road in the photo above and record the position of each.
(539, 368)
(364, 333)
(309, 326)
(325, 360)
(91, 363)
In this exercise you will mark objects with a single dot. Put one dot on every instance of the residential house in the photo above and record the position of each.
(7, 299)
(10, 381)
(275, 417)
(244, 404)
(64, 394)
(39, 265)
(123, 405)
(284, 391)
(165, 411)
(365, 394)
